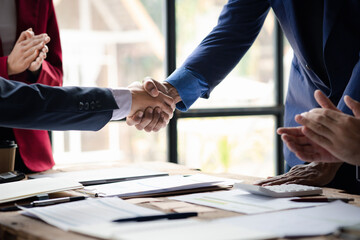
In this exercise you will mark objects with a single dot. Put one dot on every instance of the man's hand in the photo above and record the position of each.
(156, 108)
(153, 119)
(25, 51)
(314, 174)
(335, 132)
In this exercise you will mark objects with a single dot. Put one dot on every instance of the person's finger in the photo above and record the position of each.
(150, 87)
(323, 101)
(168, 104)
(154, 121)
(296, 131)
(147, 118)
(267, 180)
(317, 138)
(47, 39)
(302, 140)
(42, 56)
(24, 35)
(35, 41)
(161, 123)
(295, 147)
(135, 119)
(316, 126)
(34, 66)
(33, 52)
(353, 105)
(45, 49)
(276, 182)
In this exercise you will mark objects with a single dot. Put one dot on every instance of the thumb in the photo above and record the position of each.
(353, 105)
(323, 101)
(150, 87)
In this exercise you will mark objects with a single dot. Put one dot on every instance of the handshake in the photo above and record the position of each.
(153, 104)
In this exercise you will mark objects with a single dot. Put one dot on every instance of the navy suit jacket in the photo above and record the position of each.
(39, 106)
(238, 26)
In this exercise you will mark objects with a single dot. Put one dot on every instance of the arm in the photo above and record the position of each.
(238, 26)
(39, 106)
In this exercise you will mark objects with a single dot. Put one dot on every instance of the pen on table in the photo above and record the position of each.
(329, 199)
(41, 203)
(156, 217)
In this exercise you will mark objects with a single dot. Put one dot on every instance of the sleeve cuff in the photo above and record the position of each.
(190, 86)
(123, 99)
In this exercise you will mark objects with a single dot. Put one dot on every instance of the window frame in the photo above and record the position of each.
(277, 110)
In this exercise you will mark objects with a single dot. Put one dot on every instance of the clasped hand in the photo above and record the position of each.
(29, 52)
(157, 106)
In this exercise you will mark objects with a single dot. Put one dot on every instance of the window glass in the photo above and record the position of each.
(110, 44)
(242, 145)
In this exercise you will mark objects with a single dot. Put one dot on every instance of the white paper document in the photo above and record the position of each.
(150, 186)
(107, 175)
(320, 220)
(88, 212)
(173, 229)
(242, 201)
(28, 188)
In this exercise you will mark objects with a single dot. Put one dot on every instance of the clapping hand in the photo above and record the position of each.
(328, 134)
(307, 148)
(28, 53)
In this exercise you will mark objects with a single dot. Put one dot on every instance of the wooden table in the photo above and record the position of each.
(14, 226)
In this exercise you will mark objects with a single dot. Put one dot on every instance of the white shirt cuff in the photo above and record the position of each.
(123, 99)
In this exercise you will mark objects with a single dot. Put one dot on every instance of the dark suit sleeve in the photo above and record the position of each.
(39, 106)
(238, 26)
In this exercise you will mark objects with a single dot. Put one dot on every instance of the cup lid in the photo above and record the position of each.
(7, 144)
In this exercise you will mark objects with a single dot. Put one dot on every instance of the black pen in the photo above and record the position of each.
(42, 203)
(329, 199)
(156, 217)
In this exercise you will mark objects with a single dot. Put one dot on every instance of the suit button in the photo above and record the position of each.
(81, 106)
(92, 105)
(308, 67)
(86, 106)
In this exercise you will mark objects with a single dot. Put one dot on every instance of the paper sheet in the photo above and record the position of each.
(156, 185)
(320, 220)
(242, 201)
(87, 212)
(174, 230)
(28, 188)
(102, 175)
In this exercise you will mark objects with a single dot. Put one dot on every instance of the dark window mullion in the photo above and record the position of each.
(170, 65)
(279, 88)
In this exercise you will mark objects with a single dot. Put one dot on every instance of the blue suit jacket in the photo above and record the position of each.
(238, 26)
(39, 106)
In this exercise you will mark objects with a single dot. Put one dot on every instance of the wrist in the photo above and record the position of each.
(328, 167)
(172, 92)
(10, 71)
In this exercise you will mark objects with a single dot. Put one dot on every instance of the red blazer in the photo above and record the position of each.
(34, 145)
